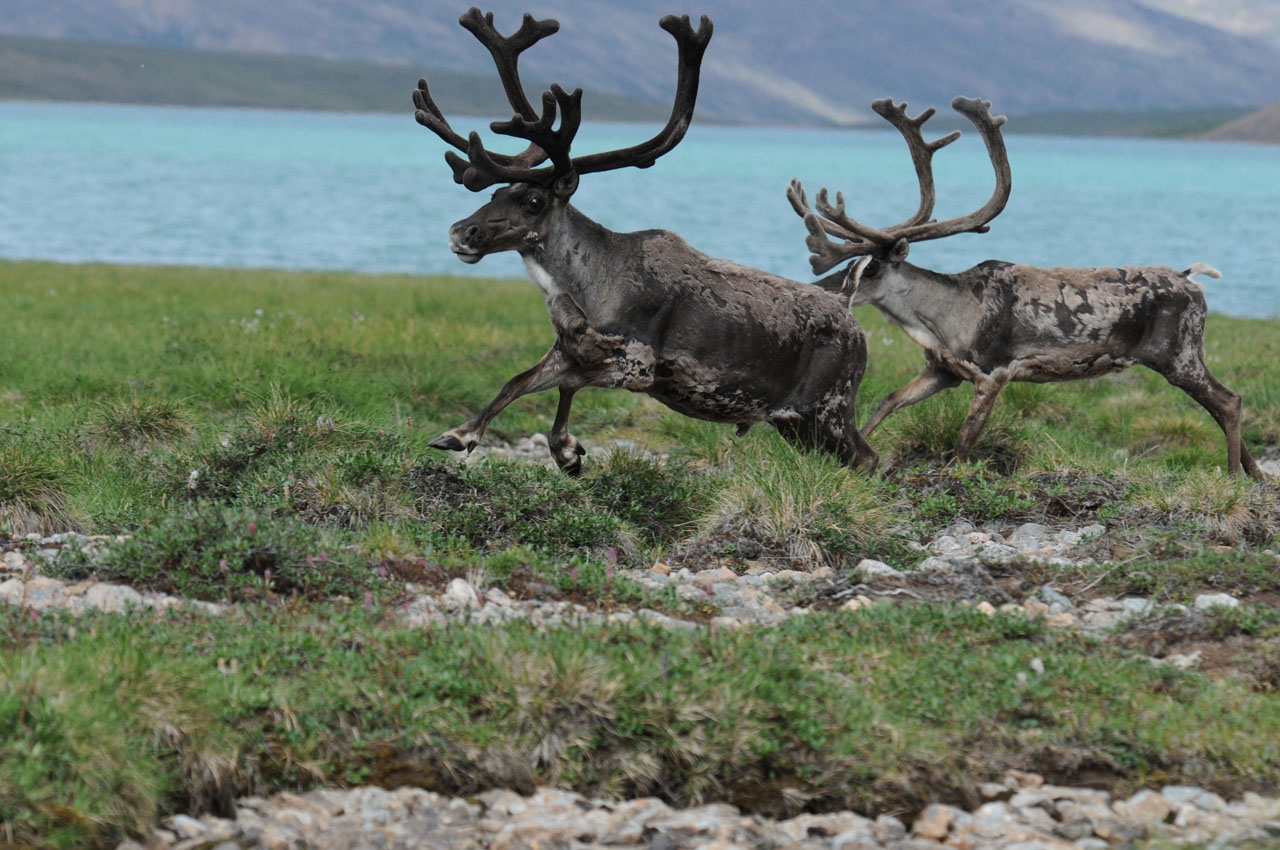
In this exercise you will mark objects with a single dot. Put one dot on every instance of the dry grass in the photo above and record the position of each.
(799, 501)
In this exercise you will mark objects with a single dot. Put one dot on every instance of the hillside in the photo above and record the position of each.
(1261, 127)
(1255, 18)
(61, 70)
(767, 63)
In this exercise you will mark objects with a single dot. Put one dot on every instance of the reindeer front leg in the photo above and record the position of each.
(553, 370)
(566, 451)
(933, 379)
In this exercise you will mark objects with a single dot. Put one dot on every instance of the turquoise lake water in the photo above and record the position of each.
(300, 190)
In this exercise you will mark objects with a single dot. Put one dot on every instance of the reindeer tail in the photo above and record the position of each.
(1201, 268)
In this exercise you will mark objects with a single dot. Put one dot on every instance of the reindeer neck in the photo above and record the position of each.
(924, 303)
(573, 256)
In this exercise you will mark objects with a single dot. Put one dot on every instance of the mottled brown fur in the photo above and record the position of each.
(1000, 322)
(646, 312)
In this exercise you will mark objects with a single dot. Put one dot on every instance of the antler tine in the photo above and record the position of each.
(912, 129)
(542, 134)
(979, 114)
(428, 114)
(506, 51)
(482, 169)
(826, 254)
(850, 228)
(691, 44)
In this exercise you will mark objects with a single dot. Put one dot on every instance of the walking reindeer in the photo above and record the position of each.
(643, 311)
(999, 322)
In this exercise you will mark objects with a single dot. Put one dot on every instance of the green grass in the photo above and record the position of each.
(882, 709)
(261, 437)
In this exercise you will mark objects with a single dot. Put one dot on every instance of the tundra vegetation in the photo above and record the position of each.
(262, 437)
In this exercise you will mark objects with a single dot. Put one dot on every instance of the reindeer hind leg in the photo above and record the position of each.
(832, 429)
(1223, 405)
(985, 392)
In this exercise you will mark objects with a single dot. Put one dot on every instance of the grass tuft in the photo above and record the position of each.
(804, 504)
(137, 422)
(226, 554)
(33, 492)
(1231, 508)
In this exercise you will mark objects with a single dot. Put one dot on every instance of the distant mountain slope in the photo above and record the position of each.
(1262, 127)
(1255, 18)
(61, 70)
(821, 61)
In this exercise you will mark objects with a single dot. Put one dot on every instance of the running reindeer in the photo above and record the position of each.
(999, 322)
(644, 311)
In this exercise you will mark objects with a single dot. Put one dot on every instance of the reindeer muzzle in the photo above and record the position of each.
(468, 241)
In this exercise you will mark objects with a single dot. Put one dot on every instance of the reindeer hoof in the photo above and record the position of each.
(568, 457)
(448, 442)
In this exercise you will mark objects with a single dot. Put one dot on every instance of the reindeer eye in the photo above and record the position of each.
(534, 203)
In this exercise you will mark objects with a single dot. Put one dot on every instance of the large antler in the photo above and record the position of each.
(481, 169)
(856, 239)
(691, 44)
(505, 51)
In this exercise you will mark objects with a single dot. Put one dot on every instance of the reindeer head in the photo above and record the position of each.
(518, 214)
(879, 250)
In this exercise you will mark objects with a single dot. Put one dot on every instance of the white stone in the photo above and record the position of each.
(1208, 601)
(870, 568)
(1029, 535)
(1145, 807)
(460, 596)
(997, 552)
(112, 598)
(1136, 606)
(949, 547)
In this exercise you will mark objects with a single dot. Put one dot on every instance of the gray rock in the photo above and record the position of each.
(1209, 601)
(113, 598)
(1031, 535)
(1137, 607)
(460, 596)
(1053, 597)
(871, 569)
(947, 546)
(935, 564)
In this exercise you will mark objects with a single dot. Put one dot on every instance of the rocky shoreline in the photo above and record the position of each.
(1023, 812)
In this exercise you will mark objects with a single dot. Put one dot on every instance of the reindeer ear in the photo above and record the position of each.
(899, 251)
(565, 186)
